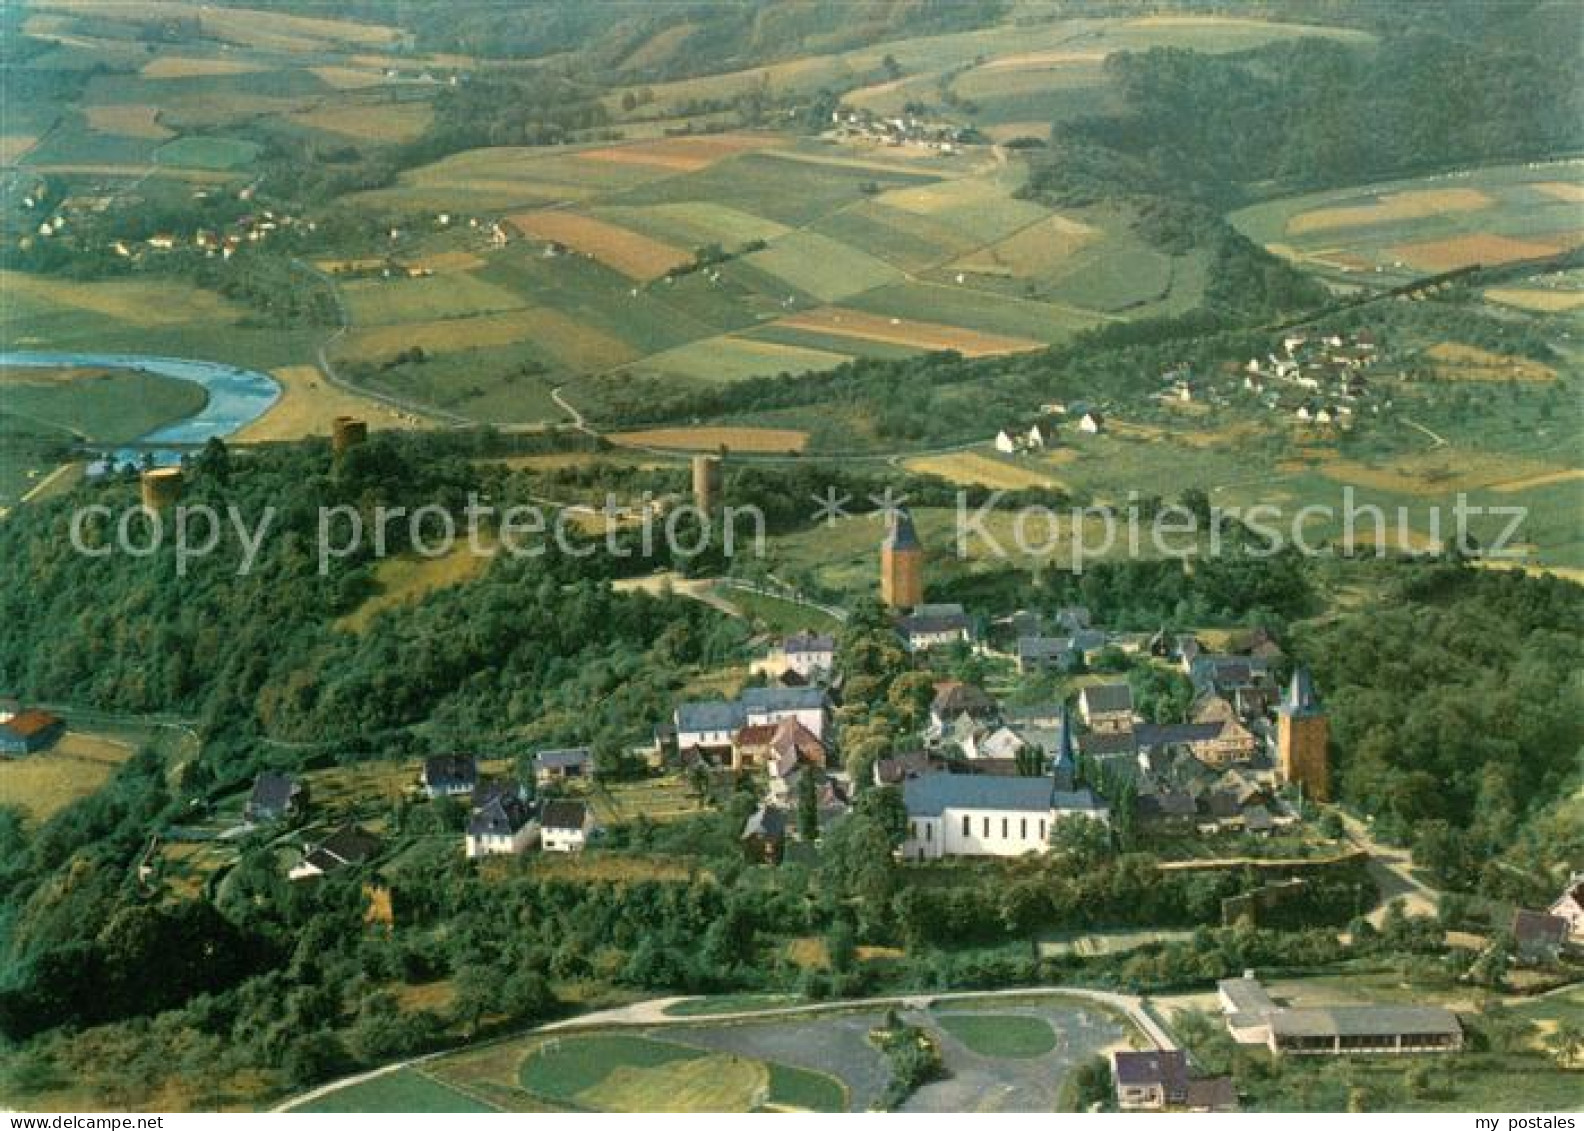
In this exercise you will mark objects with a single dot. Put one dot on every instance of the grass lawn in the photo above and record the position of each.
(406, 1089)
(208, 152)
(773, 614)
(999, 1034)
(805, 1090)
(730, 1003)
(562, 1068)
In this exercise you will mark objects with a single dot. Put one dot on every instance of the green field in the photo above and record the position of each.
(109, 406)
(619, 1072)
(223, 153)
(999, 1034)
(407, 1089)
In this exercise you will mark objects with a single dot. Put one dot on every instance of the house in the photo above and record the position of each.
(347, 847)
(808, 705)
(764, 835)
(29, 731)
(1253, 1018)
(1091, 422)
(1044, 653)
(751, 745)
(899, 767)
(574, 763)
(275, 797)
(1537, 936)
(1012, 440)
(564, 826)
(1231, 741)
(809, 654)
(999, 744)
(954, 699)
(1570, 906)
(708, 725)
(503, 826)
(793, 745)
(933, 626)
(1006, 441)
(979, 815)
(1172, 811)
(1107, 707)
(449, 775)
(1150, 1081)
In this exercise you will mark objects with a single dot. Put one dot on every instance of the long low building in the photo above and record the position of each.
(1254, 1018)
(973, 815)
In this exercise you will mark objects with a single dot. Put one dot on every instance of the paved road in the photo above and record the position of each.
(1393, 871)
(653, 1013)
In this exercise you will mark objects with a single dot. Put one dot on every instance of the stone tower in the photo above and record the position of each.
(160, 487)
(346, 433)
(1302, 735)
(901, 564)
(706, 483)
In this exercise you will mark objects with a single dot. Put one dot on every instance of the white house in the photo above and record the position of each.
(934, 626)
(1005, 442)
(710, 724)
(502, 826)
(762, 706)
(565, 826)
(1571, 907)
(1091, 422)
(809, 654)
(982, 815)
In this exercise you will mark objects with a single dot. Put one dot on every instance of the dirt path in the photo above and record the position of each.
(1393, 872)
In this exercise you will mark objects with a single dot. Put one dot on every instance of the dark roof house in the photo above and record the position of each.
(274, 796)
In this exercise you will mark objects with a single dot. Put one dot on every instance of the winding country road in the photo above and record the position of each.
(653, 1013)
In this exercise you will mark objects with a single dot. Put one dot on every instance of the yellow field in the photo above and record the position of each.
(308, 403)
(182, 67)
(1545, 479)
(637, 256)
(721, 1082)
(404, 580)
(389, 122)
(441, 335)
(1546, 302)
(1562, 190)
(42, 784)
(1389, 207)
(1029, 252)
(348, 78)
(772, 440)
(138, 302)
(974, 469)
(575, 343)
(14, 146)
(1457, 361)
(130, 119)
(844, 323)
(445, 262)
(1481, 247)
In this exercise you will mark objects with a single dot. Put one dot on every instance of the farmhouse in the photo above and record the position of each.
(565, 826)
(30, 731)
(275, 797)
(976, 815)
(708, 726)
(1092, 423)
(808, 705)
(1253, 1017)
(449, 775)
(1013, 440)
(1570, 906)
(808, 654)
(933, 626)
(1044, 653)
(572, 764)
(1537, 936)
(1107, 707)
(502, 826)
(1150, 1081)
(344, 848)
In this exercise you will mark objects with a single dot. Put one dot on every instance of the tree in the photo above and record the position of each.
(1566, 1042)
(1086, 840)
(808, 806)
